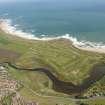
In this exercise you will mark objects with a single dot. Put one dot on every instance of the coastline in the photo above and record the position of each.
(45, 54)
(95, 50)
(6, 27)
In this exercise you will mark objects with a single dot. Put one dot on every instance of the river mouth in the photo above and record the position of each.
(97, 72)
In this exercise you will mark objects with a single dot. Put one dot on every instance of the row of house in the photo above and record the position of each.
(7, 85)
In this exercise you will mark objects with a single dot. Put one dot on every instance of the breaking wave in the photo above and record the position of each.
(7, 27)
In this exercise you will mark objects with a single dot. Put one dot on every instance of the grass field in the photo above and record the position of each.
(95, 101)
(59, 56)
(64, 60)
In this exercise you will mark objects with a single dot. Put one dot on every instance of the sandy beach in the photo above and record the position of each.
(5, 25)
(97, 50)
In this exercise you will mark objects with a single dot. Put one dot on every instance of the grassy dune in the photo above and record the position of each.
(58, 55)
(64, 60)
(96, 101)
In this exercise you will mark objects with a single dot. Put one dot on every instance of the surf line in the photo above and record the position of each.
(7, 27)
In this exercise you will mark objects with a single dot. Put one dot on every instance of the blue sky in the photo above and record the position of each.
(51, 0)
(70, 1)
(17, 0)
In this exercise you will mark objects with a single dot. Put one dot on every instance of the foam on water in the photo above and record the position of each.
(7, 27)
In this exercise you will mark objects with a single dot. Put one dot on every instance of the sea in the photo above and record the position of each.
(82, 21)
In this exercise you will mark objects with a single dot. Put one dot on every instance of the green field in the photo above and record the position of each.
(60, 56)
(95, 101)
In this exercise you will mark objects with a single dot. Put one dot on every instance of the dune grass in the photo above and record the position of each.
(95, 101)
(37, 88)
(60, 56)
(57, 55)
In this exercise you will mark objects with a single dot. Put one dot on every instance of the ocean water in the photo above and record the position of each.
(84, 21)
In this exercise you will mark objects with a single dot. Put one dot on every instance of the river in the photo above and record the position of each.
(97, 72)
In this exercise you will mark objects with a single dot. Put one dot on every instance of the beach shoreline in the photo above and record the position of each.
(6, 27)
(96, 50)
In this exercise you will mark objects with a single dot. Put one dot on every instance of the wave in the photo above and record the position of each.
(7, 27)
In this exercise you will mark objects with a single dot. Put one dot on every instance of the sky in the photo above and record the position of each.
(58, 1)
(52, 0)
(12, 0)
(18, 0)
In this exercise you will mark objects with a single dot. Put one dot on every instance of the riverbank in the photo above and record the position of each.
(97, 73)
